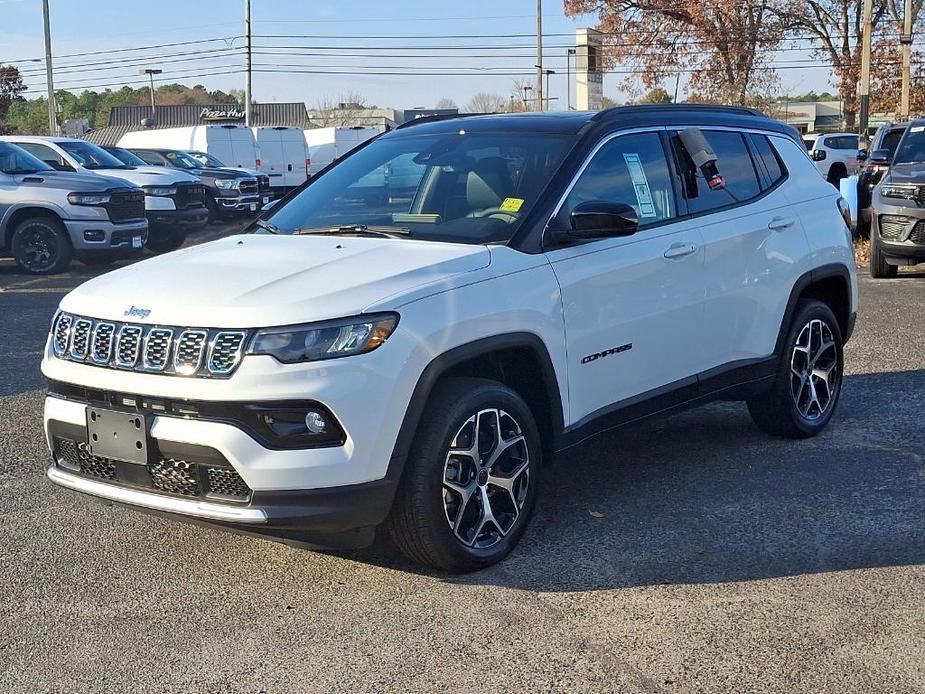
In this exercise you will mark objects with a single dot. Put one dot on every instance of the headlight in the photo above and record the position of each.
(228, 183)
(325, 340)
(88, 198)
(896, 191)
(159, 190)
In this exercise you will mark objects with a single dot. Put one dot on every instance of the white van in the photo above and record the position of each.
(283, 155)
(327, 144)
(233, 144)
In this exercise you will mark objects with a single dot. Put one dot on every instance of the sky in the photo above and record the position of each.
(308, 38)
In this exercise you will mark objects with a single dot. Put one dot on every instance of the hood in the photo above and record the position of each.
(72, 182)
(150, 175)
(909, 172)
(223, 173)
(257, 280)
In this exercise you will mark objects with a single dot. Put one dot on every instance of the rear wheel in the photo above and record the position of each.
(471, 478)
(879, 268)
(41, 246)
(836, 173)
(808, 381)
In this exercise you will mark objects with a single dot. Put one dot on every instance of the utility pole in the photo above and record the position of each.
(150, 72)
(247, 63)
(52, 115)
(906, 41)
(568, 77)
(539, 55)
(864, 86)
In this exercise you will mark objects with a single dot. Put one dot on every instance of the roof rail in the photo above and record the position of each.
(437, 117)
(717, 108)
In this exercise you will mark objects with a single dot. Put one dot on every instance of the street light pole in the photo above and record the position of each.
(247, 63)
(150, 72)
(906, 41)
(547, 92)
(864, 86)
(49, 80)
(568, 78)
(539, 55)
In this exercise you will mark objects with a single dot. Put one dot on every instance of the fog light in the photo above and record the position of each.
(94, 235)
(315, 422)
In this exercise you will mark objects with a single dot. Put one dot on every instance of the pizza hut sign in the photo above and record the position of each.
(221, 114)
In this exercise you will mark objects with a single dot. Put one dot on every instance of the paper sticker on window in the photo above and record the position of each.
(640, 185)
(512, 204)
(917, 129)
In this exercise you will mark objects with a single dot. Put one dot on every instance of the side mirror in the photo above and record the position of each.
(600, 219)
(270, 205)
(818, 154)
(881, 156)
(862, 155)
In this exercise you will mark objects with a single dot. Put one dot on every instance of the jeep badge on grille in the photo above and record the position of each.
(137, 312)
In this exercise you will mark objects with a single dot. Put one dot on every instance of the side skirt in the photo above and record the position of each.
(738, 381)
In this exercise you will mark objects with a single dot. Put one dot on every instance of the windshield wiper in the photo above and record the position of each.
(372, 230)
(268, 226)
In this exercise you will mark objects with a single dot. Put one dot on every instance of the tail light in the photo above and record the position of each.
(258, 163)
(308, 166)
(845, 210)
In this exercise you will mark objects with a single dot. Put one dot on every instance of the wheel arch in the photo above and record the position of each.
(519, 360)
(16, 214)
(830, 284)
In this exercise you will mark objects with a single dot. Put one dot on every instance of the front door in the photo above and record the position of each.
(633, 306)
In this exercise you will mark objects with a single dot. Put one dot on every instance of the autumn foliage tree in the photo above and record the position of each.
(11, 89)
(725, 45)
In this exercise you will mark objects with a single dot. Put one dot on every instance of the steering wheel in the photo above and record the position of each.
(497, 212)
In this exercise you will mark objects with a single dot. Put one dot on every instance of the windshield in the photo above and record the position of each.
(126, 157)
(206, 159)
(89, 156)
(15, 160)
(459, 187)
(912, 147)
(182, 160)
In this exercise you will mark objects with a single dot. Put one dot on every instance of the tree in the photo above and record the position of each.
(656, 95)
(345, 110)
(522, 96)
(483, 102)
(446, 102)
(11, 89)
(726, 45)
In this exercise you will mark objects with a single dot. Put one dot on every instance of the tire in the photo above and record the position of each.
(795, 407)
(437, 521)
(879, 268)
(166, 241)
(41, 246)
(215, 215)
(836, 173)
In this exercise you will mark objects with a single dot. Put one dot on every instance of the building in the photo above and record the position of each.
(123, 119)
(811, 116)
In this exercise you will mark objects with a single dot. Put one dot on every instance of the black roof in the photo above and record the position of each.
(571, 122)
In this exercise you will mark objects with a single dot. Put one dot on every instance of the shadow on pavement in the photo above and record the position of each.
(705, 497)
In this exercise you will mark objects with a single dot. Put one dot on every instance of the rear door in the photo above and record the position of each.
(632, 306)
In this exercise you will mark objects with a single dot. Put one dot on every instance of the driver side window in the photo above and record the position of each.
(631, 169)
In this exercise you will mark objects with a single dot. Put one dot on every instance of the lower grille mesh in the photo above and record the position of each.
(175, 477)
(892, 226)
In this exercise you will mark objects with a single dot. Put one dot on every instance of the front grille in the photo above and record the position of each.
(248, 186)
(918, 232)
(126, 205)
(176, 351)
(892, 226)
(919, 195)
(190, 195)
(171, 476)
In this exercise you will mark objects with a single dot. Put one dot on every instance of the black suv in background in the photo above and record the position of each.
(229, 191)
(897, 234)
(874, 163)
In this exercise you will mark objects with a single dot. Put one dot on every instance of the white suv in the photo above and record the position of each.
(416, 364)
(835, 154)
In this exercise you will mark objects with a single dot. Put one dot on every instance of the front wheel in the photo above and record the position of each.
(808, 381)
(41, 246)
(879, 268)
(470, 482)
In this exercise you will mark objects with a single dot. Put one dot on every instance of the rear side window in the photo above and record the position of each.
(768, 159)
(842, 142)
(150, 157)
(736, 167)
(43, 152)
(891, 140)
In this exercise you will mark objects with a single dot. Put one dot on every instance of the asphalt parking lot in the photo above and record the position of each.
(715, 560)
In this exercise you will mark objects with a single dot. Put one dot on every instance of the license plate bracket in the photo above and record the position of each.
(117, 435)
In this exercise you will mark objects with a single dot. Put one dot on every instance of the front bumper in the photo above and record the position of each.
(188, 219)
(105, 236)
(900, 231)
(240, 203)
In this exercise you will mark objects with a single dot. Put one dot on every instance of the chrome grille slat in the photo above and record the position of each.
(174, 351)
(103, 335)
(80, 339)
(157, 349)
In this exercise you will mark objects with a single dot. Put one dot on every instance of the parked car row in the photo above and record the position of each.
(155, 200)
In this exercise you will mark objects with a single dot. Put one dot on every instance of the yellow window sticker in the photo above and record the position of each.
(512, 204)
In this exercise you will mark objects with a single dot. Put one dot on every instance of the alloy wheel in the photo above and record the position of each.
(814, 373)
(39, 249)
(486, 476)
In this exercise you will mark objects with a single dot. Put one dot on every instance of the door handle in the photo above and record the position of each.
(780, 223)
(680, 249)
